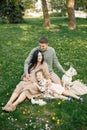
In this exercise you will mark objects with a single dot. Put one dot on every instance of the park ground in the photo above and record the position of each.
(16, 41)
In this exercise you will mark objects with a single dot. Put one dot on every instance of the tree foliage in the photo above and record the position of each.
(61, 4)
(81, 5)
(29, 4)
(58, 4)
(12, 11)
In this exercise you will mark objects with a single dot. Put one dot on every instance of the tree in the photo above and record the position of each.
(71, 15)
(45, 14)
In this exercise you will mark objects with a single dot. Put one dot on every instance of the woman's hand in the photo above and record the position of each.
(26, 78)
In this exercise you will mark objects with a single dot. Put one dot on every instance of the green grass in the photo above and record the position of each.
(16, 41)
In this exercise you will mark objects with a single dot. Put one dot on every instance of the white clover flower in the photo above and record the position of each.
(47, 127)
(26, 124)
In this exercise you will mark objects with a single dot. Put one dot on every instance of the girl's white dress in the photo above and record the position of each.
(53, 88)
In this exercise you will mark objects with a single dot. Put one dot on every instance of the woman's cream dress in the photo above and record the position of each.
(30, 89)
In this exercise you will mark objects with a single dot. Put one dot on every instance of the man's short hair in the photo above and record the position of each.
(43, 40)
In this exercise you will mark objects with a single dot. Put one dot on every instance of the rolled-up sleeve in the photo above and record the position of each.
(56, 62)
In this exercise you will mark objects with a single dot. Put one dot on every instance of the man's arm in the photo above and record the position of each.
(56, 62)
(28, 59)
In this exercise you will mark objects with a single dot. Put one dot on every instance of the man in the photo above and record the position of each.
(49, 56)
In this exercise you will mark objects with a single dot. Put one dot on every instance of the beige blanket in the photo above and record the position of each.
(78, 88)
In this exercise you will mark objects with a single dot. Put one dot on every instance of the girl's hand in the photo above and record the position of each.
(26, 78)
(48, 82)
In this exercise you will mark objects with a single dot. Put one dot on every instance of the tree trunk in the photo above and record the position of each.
(71, 15)
(45, 14)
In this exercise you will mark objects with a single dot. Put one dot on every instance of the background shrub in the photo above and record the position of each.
(11, 12)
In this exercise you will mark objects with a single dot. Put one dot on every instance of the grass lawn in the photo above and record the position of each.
(16, 41)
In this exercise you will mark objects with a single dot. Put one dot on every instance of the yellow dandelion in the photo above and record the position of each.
(24, 113)
(58, 121)
(53, 118)
(59, 102)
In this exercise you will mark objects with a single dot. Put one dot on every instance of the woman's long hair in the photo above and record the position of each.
(34, 60)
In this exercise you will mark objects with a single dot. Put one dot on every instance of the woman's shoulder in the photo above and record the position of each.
(44, 63)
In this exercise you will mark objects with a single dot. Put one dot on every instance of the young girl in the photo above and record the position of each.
(52, 89)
